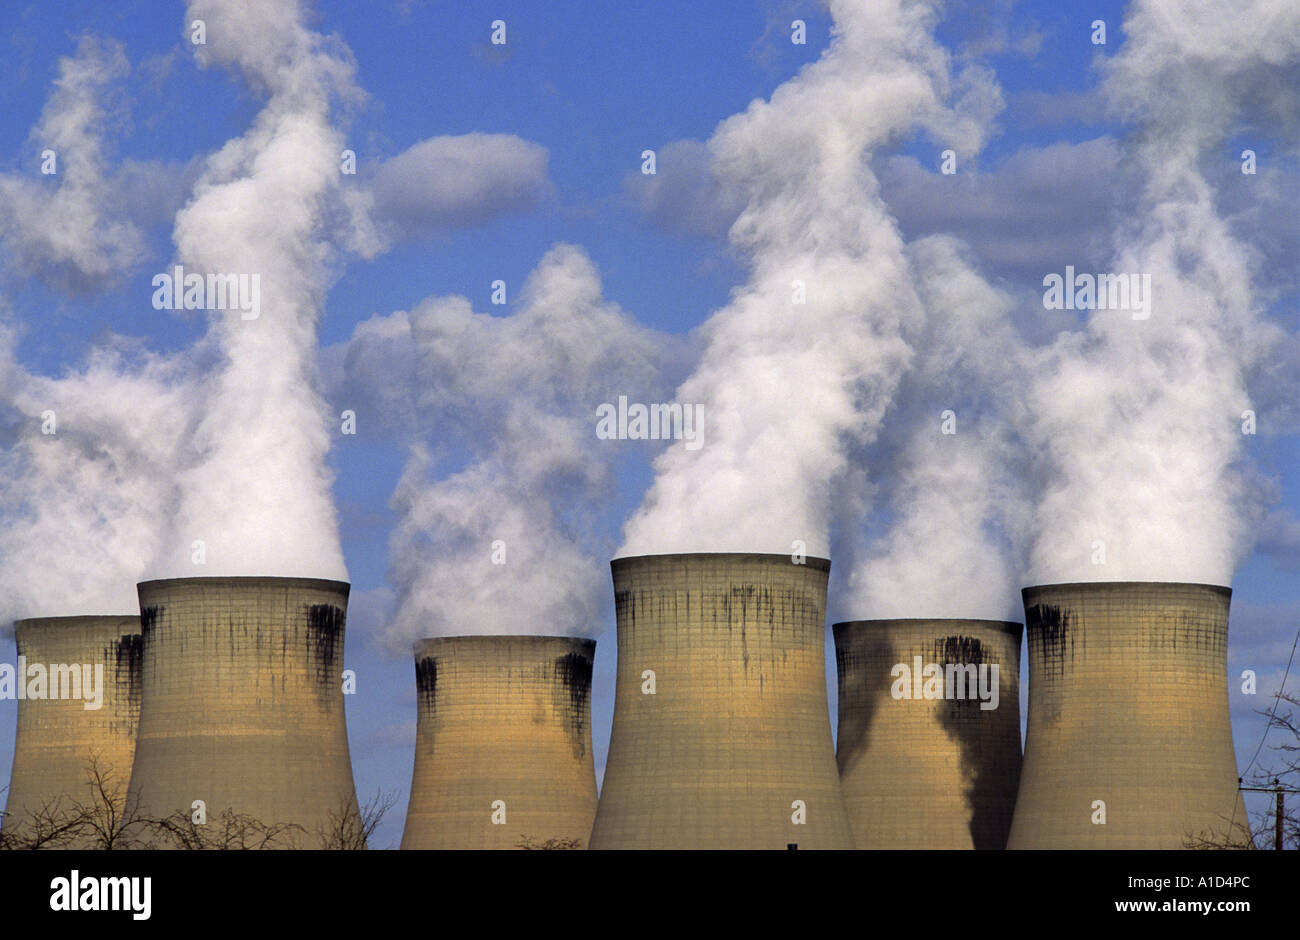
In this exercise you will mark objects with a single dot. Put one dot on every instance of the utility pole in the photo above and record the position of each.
(1279, 814)
(1277, 820)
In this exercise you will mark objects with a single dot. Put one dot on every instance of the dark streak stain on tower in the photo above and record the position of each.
(426, 680)
(921, 772)
(127, 652)
(242, 702)
(503, 743)
(737, 732)
(56, 737)
(1049, 628)
(325, 626)
(1128, 712)
(574, 671)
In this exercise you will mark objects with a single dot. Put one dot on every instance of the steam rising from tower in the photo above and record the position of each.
(537, 476)
(829, 297)
(944, 462)
(1139, 420)
(89, 455)
(254, 488)
(81, 505)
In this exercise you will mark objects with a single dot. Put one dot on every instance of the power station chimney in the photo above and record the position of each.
(243, 702)
(929, 731)
(503, 744)
(721, 736)
(1128, 743)
(86, 672)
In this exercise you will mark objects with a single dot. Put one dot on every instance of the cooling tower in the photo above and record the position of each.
(503, 744)
(1128, 718)
(70, 660)
(721, 736)
(242, 705)
(929, 734)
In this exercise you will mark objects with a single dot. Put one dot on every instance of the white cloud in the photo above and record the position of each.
(685, 194)
(70, 229)
(457, 181)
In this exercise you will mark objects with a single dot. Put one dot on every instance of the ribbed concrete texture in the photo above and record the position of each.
(1128, 707)
(56, 738)
(734, 745)
(503, 744)
(243, 701)
(929, 738)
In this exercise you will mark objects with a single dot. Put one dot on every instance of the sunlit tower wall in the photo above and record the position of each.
(937, 772)
(242, 703)
(57, 738)
(503, 743)
(721, 734)
(1128, 715)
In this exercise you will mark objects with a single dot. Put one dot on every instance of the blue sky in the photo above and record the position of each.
(595, 84)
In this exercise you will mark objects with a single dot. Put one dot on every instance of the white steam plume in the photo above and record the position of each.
(85, 475)
(1139, 422)
(88, 509)
(948, 457)
(504, 464)
(88, 459)
(788, 388)
(63, 227)
(256, 490)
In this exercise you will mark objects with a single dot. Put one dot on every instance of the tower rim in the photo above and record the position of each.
(326, 584)
(71, 618)
(493, 639)
(810, 561)
(1222, 589)
(1008, 626)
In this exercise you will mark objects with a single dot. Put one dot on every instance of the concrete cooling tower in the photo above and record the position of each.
(87, 672)
(929, 731)
(1128, 743)
(721, 736)
(243, 703)
(503, 744)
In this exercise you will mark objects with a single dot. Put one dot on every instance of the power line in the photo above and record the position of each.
(1272, 714)
(1276, 699)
